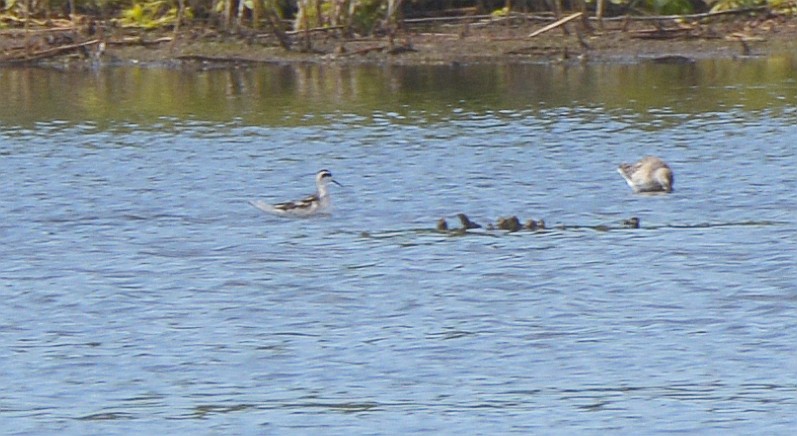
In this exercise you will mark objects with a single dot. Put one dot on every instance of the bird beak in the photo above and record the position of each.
(336, 182)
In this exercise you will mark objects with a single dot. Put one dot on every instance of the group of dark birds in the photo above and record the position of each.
(650, 174)
(513, 224)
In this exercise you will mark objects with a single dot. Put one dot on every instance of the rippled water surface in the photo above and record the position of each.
(141, 293)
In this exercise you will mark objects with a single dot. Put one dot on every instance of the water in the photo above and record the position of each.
(143, 294)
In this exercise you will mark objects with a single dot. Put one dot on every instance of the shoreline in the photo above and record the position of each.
(514, 40)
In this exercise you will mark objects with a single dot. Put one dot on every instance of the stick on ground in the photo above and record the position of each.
(555, 24)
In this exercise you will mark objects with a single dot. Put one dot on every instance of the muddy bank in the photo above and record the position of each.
(485, 40)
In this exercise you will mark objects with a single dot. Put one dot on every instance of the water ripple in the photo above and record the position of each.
(143, 293)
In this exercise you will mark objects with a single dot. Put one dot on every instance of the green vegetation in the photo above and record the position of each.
(360, 17)
(152, 14)
(786, 7)
(670, 7)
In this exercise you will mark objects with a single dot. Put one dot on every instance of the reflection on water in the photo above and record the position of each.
(298, 94)
(143, 294)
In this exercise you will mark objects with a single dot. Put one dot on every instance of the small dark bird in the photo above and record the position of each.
(631, 223)
(512, 224)
(467, 223)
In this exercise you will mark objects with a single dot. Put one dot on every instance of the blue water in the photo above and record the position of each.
(143, 294)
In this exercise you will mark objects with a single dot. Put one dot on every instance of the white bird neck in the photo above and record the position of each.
(322, 190)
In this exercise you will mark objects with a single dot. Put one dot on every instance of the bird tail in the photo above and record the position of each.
(262, 205)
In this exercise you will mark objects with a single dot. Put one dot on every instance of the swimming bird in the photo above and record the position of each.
(512, 223)
(467, 223)
(631, 223)
(650, 174)
(311, 205)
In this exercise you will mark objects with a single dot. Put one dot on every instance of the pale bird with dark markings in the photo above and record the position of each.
(650, 174)
(314, 204)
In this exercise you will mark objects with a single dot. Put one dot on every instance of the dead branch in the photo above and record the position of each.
(689, 16)
(49, 53)
(220, 59)
(489, 19)
(555, 24)
(662, 33)
(744, 40)
(313, 30)
(15, 33)
(366, 50)
(137, 40)
(273, 18)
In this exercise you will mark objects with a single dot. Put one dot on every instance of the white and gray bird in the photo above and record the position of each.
(650, 174)
(314, 204)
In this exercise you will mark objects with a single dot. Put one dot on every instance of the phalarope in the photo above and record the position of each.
(512, 224)
(311, 205)
(467, 223)
(631, 223)
(650, 174)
